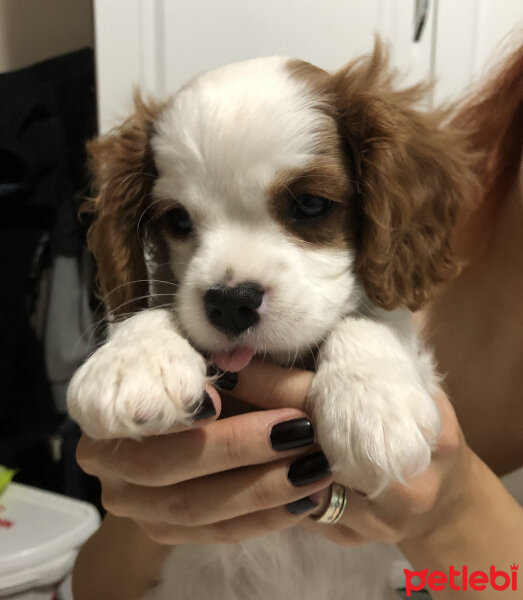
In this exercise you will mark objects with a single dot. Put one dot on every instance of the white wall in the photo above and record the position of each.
(472, 36)
(159, 44)
(35, 30)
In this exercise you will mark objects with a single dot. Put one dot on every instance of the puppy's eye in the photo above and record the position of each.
(307, 206)
(179, 222)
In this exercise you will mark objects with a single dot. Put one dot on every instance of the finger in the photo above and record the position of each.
(361, 521)
(373, 521)
(208, 411)
(213, 498)
(226, 532)
(358, 524)
(451, 436)
(387, 518)
(89, 450)
(419, 493)
(221, 446)
(270, 386)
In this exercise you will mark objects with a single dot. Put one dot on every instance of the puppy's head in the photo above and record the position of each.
(281, 197)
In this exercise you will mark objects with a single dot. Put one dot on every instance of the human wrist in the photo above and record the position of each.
(459, 495)
(459, 492)
(466, 528)
(118, 561)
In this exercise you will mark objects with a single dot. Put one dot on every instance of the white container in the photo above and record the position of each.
(40, 534)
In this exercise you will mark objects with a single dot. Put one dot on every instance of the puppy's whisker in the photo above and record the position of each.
(128, 177)
(106, 297)
(112, 317)
(150, 207)
(164, 282)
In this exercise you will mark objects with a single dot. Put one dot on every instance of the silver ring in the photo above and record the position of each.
(335, 507)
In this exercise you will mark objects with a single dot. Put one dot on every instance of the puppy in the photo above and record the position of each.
(270, 208)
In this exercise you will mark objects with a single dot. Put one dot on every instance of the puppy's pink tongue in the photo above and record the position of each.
(233, 360)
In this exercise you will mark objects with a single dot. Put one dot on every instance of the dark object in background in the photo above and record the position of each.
(47, 112)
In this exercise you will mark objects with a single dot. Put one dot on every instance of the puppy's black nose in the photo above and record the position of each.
(233, 309)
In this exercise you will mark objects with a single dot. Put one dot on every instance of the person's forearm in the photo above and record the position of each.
(486, 530)
(119, 562)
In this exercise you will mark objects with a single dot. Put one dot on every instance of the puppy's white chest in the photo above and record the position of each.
(289, 565)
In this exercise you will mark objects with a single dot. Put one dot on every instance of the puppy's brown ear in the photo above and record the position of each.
(413, 174)
(123, 172)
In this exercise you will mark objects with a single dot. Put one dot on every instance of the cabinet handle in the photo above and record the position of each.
(420, 18)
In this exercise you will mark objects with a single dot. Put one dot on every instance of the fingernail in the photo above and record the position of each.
(308, 469)
(206, 408)
(292, 434)
(302, 505)
(226, 381)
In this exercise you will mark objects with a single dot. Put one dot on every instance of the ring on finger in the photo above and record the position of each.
(335, 507)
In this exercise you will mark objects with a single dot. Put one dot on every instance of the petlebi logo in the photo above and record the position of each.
(462, 579)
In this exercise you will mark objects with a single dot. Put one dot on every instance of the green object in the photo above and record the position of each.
(5, 478)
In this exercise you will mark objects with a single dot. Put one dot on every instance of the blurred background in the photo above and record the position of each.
(47, 112)
(67, 71)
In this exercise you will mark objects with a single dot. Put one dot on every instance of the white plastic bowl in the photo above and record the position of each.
(40, 534)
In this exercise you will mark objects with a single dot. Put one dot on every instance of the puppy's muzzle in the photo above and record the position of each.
(233, 309)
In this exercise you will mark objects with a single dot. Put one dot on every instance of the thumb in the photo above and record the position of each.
(267, 385)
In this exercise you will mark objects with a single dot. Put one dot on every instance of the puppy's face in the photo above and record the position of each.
(282, 197)
(252, 198)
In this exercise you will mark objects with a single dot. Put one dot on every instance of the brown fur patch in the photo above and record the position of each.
(414, 175)
(124, 172)
(492, 116)
(327, 177)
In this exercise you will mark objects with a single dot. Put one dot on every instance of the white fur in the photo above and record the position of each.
(145, 378)
(308, 290)
(218, 148)
(290, 565)
(371, 399)
(222, 179)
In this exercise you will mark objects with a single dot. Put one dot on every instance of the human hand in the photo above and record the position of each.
(402, 511)
(219, 481)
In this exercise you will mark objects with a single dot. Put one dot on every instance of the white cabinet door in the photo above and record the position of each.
(202, 34)
(472, 36)
(160, 44)
(410, 26)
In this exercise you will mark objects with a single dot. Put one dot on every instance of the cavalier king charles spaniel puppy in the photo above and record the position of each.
(272, 209)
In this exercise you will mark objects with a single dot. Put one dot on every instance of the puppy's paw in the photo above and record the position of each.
(375, 430)
(136, 384)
